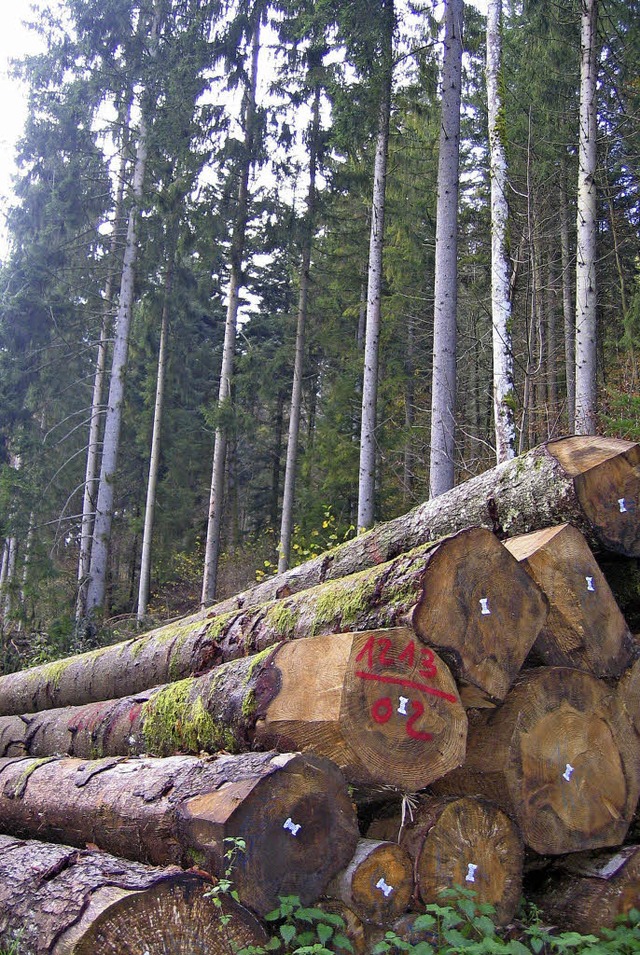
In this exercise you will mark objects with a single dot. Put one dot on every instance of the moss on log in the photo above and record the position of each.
(474, 603)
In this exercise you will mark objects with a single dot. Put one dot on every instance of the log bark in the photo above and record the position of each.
(379, 704)
(450, 616)
(560, 756)
(588, 892)
(460, 841)
(585, 628)
(378, 882)
(58, 900)
(293, 812)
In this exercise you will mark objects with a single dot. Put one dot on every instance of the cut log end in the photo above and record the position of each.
(480, 610)
(391, 715)
(561, 756)
(299, 828)
(587, 893)
(461, 842)
(585, 628)
(378, 882)
(173, 918)
(606, 474)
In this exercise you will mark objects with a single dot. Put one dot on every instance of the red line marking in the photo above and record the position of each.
(396, 681)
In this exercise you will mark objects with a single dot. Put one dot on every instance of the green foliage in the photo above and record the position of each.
(302, 930)
(460, 924)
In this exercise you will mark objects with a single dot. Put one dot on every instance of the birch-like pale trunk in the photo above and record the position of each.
(113, 421)
(214, 521)
(443, 391)
(367, 466)
(93, 449)
(503, 390)
(586, 301)
(286, 525)
(154, 457)
(568, 312)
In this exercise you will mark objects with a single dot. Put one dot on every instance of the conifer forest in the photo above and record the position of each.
(279, 270)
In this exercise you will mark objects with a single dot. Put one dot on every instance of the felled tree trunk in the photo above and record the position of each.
(473, 602)
(585, 628)
(293, 812)
(589, 891)
(378, 882)
(560, 756)
(464, 841)
(379, 704)
(57, 900)
(590, 482)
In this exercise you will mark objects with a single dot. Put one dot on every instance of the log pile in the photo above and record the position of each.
(465, 669)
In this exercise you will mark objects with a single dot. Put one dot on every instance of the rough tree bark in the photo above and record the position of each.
(586, 299)
(293, 812)
(443, 387)
(585, 628)
(472, 600)
(367, 466)
(561, 756)
(503, 391)
(463, 841)
(58, 900)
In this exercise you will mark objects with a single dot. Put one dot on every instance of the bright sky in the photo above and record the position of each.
(15, 40)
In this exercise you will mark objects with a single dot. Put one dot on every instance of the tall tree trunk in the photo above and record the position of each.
(409, 414)
(568, 312)
(550, 317)
(93, 449)
(113, 420)
(367, 467)
(503, 391)
(154, 458)
(286, 526)
(586, 301)
(214, 522)
(443, 391)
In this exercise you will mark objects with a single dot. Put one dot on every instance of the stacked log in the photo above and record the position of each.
(560, 756)
(585, 628)
(590, 482)
(413, 672)
(293, 812)
(587, 892)
(464, 594)
(381, 705)
(57, 900)
(378, 882)
(460, 841)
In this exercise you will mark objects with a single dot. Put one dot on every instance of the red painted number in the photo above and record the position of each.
(418, 710)
(427, 666)
(382, 710)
